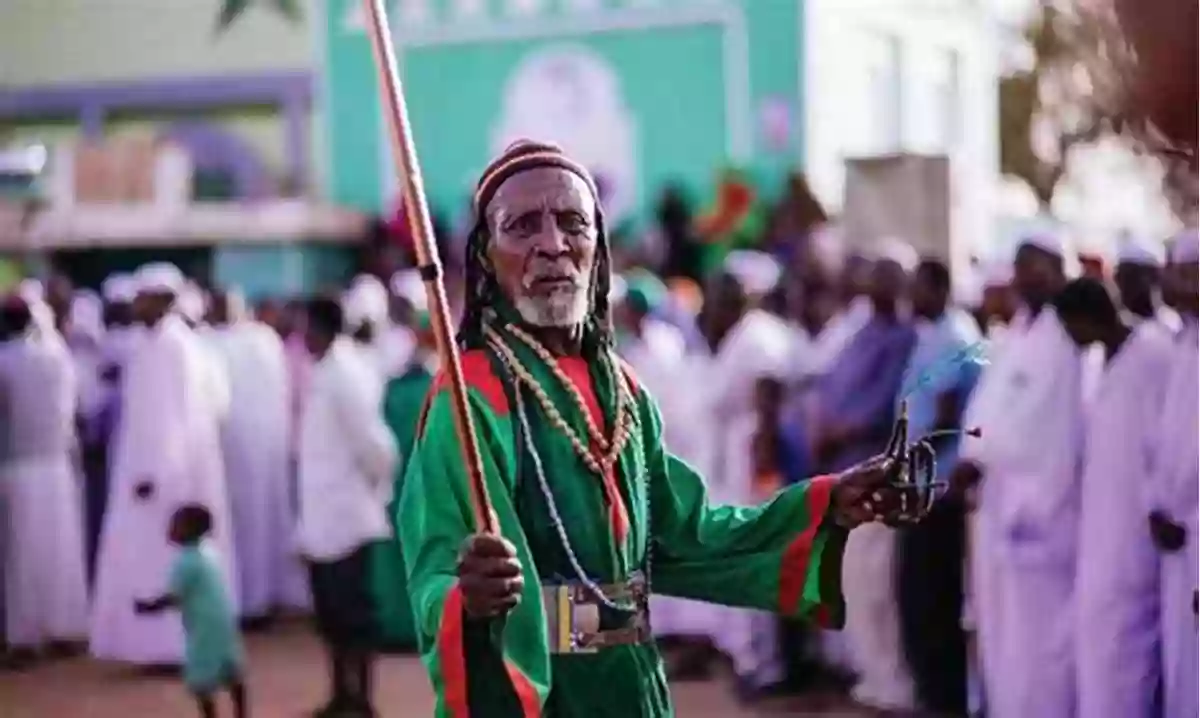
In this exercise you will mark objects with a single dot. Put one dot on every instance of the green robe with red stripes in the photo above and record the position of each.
(782, 556)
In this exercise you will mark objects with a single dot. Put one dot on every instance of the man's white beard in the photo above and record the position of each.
(561, 308)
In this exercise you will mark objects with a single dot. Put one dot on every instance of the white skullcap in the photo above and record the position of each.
(366, 300)
(758, 272)
(159, 278)
(894, 249)
(1185, 248)
(1137, 250)
(119, 288)
(87, 314)
(407, 284)
(1047, 241)
(191, 304)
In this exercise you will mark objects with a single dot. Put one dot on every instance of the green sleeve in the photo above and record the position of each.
(784, 555)
(435, 516)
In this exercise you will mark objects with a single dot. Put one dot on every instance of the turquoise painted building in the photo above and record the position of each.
(644, 92)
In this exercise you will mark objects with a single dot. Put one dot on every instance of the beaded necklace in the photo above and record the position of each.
(521, 376)
(622, 425)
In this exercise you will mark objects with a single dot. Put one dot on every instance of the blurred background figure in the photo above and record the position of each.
(1116, 582)
(255, 443)
(936, 386)
(45, 605)
(1173, 520)
(748, 353)
(857, 407)
(1023, 550)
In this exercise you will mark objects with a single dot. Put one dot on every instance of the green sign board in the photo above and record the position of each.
(642, 91)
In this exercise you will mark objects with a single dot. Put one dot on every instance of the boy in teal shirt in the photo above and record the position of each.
(214, 657)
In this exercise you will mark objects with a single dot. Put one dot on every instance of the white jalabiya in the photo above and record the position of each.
(658, 357)
(173, 399)
(1116, 641)
(347, 458)
(45, 584)
(256, 440)
(1174, 491)
(756, 348)
(1029, 405)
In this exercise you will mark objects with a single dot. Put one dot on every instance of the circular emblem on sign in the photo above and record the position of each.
(571, 96)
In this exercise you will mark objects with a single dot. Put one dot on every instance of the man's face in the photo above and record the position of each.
(316, 341)
(150, 307)
(1136, 283)
(889, 282)
(724, 304)
(542, 226)
(1181, 287)
(928, 299)
(1037, 274)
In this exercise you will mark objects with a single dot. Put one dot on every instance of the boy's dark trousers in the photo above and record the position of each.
(345, 615)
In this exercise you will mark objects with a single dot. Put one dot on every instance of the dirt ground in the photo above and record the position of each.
(286, 681)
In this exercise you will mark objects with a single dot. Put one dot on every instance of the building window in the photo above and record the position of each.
(947, 100)
(885, 64)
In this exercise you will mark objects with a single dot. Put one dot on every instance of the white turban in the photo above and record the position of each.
(87, 314)
(1047, 241)
(1185, 248)
(1139, 251)
(119, 288)
(407, 284)
(1054, 241)
(758, 272)
(159, 278)
(365, 301)
(894, 249)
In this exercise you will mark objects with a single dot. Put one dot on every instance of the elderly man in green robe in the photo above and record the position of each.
(550, 618)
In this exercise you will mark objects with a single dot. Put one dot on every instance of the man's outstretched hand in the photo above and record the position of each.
(489, 576)
(869, 492)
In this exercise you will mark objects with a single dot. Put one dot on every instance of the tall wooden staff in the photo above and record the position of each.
(405, 155)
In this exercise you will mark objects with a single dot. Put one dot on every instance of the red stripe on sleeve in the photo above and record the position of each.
(531, 704)
(793, 570)
(452, 660)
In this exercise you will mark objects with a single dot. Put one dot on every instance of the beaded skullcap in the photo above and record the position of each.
(521, 156)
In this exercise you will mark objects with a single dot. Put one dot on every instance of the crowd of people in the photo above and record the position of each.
(1056, 576)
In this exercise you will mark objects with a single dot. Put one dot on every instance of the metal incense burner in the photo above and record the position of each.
(914, 469)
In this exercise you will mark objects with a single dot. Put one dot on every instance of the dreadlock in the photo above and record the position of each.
(482, 290)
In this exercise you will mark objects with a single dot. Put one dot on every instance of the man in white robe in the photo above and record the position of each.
(1175, 497)
(1138, 277)
(256, 438)
(44, 580)
(856, 403)
(1116, 587)
(656, 351)
(1028, 405)
(365, 305)
(749, 348)
(167, 453)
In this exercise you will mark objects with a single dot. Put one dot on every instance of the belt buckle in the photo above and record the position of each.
(573, 619)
